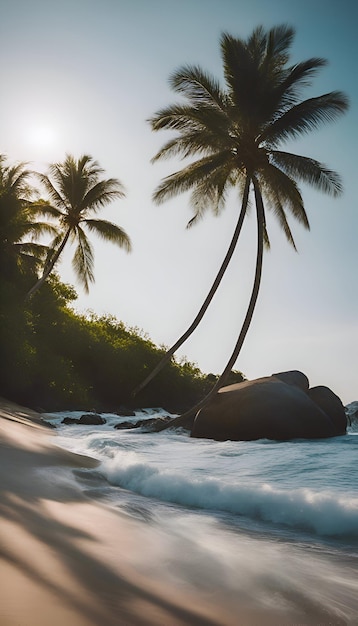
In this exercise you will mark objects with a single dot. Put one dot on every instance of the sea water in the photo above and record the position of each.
(274, 524)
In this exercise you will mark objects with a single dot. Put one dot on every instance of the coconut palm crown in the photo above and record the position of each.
(76, 194)
(236, 133)
(19, 224)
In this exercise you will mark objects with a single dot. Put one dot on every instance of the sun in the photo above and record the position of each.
(41, 136)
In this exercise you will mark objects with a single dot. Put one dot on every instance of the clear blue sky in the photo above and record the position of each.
(83, 76)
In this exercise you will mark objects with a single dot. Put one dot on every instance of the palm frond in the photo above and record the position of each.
(42, 207)
(86, 166)
(29, 248)
(42, 228)
(304, 117)
(101, 194)
(309, 171)
(279, 42)
(189, 119)
(109, 232)
(203, 142)
(198, 86)
(83, 260)
(238, 63)
(56, 199)
(256, 44)
(190, 176)
(281, 216)
(297, 77)
(275, 205)
(209, 194)
(14, 181)
(281, 190)
(173, 117)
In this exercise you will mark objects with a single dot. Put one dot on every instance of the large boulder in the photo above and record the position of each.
(279, 407)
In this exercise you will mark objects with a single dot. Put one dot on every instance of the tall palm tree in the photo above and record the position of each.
(19, 224)
(76, 192)
(236, 132)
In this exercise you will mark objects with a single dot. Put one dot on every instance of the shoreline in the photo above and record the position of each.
(66, 559)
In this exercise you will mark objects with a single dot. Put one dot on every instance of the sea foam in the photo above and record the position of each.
(324, 513)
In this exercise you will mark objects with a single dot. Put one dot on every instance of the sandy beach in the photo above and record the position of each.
(67, 559)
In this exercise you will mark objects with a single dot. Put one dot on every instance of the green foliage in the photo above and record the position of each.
(19, 226)
(57, 359)
(76, 194)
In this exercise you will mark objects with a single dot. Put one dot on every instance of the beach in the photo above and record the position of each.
(67, 559)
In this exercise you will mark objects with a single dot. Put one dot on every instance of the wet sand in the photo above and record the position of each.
(67, 560)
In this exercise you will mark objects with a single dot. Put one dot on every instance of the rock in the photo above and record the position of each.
(92, 419)
(155, 424)
(89, 419)
(70, 420)
(275, 407)
(150, 425)
(294, 377)
(123, 425)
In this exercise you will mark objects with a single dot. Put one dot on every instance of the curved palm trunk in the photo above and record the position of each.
(186, 419)
(208, 298)
(49, 267)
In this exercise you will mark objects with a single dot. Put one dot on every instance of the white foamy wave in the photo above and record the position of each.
(352, 414)
(323, 513)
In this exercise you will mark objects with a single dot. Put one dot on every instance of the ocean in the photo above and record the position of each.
(269, 524)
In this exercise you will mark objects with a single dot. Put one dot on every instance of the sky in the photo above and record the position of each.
(83, 77)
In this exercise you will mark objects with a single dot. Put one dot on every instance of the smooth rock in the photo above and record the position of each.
(270, 408)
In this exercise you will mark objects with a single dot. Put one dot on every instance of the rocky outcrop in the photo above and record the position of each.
(89, 419)
(279, 407)
(149, 425)
(92, 419)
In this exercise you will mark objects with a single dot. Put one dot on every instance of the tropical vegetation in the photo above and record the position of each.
(20, 227)
(52, 357)
(76, 193)
(236, 133)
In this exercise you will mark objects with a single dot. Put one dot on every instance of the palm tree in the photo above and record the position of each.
(236, 132)
(77, 191)
(19, 225)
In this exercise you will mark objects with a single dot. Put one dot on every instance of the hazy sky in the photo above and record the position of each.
(81, 76)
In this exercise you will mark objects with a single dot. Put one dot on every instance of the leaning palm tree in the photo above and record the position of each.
(236, 132)
(77, 192)
(20, 227)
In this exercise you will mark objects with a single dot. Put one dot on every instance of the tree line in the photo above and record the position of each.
(54, 359)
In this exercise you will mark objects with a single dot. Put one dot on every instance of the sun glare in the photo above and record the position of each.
(41, 136)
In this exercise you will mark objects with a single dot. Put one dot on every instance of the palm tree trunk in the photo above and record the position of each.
(208, 299)
(48, 267)
(186, 419)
